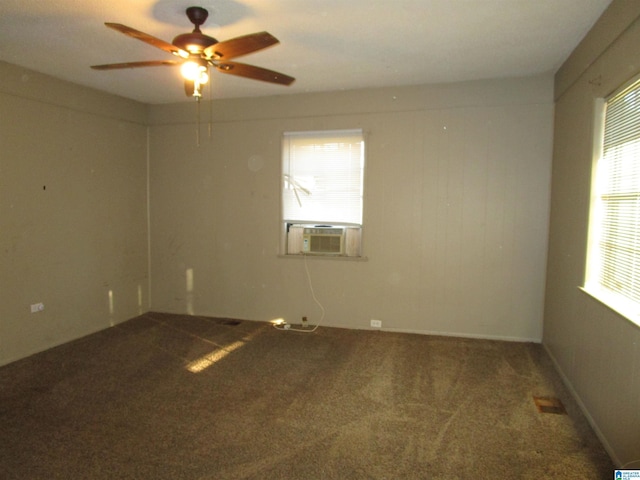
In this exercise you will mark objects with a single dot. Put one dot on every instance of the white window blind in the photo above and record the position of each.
(323, 177)
(614, 257)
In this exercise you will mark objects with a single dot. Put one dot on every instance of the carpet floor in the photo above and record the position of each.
(166, 396)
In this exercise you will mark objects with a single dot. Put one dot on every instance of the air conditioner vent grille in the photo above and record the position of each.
(326, 243)
(323, 240)
(328, 240)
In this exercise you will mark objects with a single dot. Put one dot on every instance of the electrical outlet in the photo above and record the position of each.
(376, 323)
(37, 307)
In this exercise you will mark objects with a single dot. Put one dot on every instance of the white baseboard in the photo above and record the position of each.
(585, 411)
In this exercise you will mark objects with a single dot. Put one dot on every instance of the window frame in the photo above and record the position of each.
(352, 230)
(593, 284)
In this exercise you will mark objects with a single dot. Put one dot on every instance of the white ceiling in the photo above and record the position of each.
(326, 44)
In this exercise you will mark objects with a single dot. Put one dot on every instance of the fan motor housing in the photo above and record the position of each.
(194, 42)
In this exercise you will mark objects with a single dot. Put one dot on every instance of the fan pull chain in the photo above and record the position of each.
(210, 106)
(198, 121)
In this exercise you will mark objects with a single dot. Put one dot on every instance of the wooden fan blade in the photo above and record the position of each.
(150, 39)
(150, 63)
(238, 46)
(256, 73)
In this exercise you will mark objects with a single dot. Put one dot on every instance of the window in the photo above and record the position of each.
(613, 263)
(322, 192)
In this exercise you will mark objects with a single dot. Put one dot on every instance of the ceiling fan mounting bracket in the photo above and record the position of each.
(197, 16)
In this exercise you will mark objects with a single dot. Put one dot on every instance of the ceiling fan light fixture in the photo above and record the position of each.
(194, 69)
(181, 53)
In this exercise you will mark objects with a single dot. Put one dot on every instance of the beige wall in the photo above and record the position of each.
(455, 222)
(597, 350)
(73, 223)
(455, 217)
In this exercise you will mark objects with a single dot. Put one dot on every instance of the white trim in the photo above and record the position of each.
(148, 218)
(605, 443)
(623, 307)
(435, 333)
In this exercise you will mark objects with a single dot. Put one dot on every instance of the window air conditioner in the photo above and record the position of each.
(323, 240)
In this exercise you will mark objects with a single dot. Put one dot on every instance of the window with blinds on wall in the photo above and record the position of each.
(322, 192)
(613, 263)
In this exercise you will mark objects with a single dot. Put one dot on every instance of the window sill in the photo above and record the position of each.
(342, 258)
(623, 309)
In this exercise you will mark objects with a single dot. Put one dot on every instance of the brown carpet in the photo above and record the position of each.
(183, 397)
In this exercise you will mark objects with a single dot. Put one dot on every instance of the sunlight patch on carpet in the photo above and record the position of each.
(213, 357)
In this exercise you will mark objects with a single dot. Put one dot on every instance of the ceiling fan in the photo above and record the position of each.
(198, 52)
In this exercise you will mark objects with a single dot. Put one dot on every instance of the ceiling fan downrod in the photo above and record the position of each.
(196, 41)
